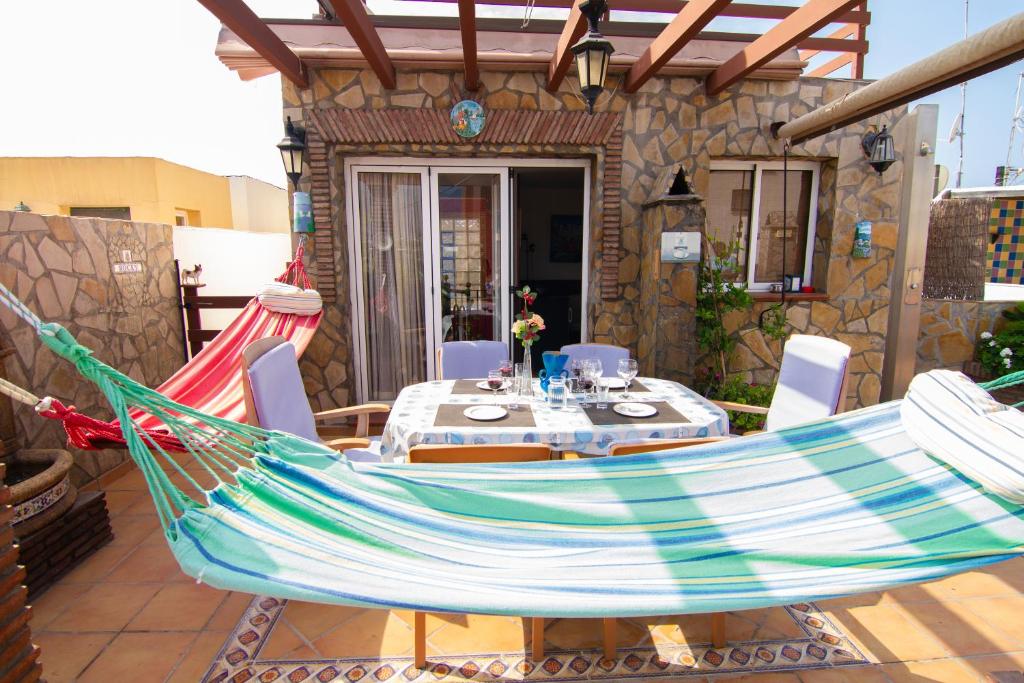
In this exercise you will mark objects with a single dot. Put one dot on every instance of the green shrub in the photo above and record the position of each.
(1002, 352)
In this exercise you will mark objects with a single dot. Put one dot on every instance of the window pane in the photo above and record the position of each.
(728, 207)
(391, 220)
(774, 228)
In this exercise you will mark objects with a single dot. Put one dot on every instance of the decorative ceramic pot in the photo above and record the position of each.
(41, 488)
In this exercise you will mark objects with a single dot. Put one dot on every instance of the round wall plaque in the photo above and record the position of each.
(468, 118)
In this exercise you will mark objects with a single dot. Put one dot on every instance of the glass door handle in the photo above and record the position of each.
(570, 314)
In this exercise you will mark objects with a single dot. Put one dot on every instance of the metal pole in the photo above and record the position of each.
(963, 111)
(918, 148)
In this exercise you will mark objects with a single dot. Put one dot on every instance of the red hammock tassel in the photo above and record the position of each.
(90, 434)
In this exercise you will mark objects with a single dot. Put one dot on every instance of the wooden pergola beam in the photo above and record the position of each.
(353, 16)
(681, 30)
(986, 51)
(575, 26)
(832, 65)
(736, 9)
(844, 31)
(467, 25)
(799, 25)
(244, 23)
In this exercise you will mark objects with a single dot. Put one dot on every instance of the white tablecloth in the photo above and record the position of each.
(412, 420)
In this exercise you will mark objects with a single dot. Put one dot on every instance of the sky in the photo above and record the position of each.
(139, 78)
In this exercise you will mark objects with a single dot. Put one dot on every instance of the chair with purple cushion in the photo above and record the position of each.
(276, 399)
(469, 359)
(608, 354)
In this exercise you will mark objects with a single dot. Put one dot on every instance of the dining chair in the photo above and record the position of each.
(469, 359)
(276, 399)
(608, 354)
(443, 453)
(813, 382)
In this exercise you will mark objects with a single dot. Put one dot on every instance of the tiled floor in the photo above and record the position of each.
(128, 614)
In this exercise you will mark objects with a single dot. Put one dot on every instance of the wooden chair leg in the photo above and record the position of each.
(419, 634)
(718, 629)
(537, 638)
(609, 637)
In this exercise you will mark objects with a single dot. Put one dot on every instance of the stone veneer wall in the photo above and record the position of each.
(669, 121)
(950, 329)
(62, 269)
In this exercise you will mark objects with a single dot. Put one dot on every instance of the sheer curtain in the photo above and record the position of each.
(391, 220)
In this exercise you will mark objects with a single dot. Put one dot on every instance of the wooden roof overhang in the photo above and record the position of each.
(350, 36)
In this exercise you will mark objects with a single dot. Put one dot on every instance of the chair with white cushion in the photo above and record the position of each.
(813, 382)
(469, 359)
(275, 399)
(608, 354)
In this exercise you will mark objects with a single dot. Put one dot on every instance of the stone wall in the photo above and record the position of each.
(670, 121)
(63, 269)
(949, 331)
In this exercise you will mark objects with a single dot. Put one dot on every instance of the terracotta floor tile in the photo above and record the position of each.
(859, 600)
(1009, 661)
(432, 622)
(55, 600)
(883, 631)
(105, 607)
(130, 529)
(229, 612)
(977, 584)
(1005, 614)
(283, 640)
(774, 677)
(132, 481)
(944, 670)
(119, 501)
(576, 634)
(138, 657)
(97, 565)
(313, 620)
(148, 563)
(178, 607)
(480, 633)
(871, 673)
(143, 505)
(961, 630)
(199, 657)
(374, 632)
(680, 629)
(65, 655)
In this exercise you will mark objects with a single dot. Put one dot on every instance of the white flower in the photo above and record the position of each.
(1006, 352)
(986, 335)
(992, 343)
(1007, 362)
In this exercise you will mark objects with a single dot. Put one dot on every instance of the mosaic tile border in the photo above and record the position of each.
(825, 646)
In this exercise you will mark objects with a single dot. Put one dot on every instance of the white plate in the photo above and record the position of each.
(485, 413)
(483, 385)
(635, 409)
(613, 383)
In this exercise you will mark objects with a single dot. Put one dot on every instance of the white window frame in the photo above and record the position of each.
(758, 167)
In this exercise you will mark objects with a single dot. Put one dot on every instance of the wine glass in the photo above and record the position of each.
(576, 373)
(593, 371)
(505, 368)
(495, 381)
(627, 371)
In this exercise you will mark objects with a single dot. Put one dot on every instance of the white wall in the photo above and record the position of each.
(258, 206)
(234, 262)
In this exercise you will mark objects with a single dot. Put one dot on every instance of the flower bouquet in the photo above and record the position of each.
(526, 328)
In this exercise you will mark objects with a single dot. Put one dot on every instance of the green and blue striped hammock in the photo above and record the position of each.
(840, 506)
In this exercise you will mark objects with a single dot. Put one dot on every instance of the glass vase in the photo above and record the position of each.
(527, 379)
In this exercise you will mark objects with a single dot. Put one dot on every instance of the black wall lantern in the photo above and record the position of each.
(593, 52)
(879, 149)
(292, 148)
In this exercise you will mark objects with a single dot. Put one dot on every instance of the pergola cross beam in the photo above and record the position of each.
(694, 16)
(467, 26)
(245, 24)
(355, 18)
(799, 25)
(575, 26)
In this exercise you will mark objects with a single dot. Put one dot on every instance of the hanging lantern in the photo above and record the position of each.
(593, 52)
(879, 149)
(292, 147)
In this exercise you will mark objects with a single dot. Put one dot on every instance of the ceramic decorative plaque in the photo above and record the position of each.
(468, 118)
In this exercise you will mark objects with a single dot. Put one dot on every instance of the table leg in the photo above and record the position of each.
(420, 639)
(718, 629)
(609, 637)
(537, 638)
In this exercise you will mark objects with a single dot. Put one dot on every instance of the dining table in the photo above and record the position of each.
(434, 413)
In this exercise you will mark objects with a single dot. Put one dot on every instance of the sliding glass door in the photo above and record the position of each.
(430, 265)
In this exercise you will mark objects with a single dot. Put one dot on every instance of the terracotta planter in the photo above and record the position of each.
(41, 488)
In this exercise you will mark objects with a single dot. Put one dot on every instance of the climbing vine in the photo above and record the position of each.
(718, 293)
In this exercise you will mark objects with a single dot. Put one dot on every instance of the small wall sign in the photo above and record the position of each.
(123, 268)
(680, 247)
(468, 118)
